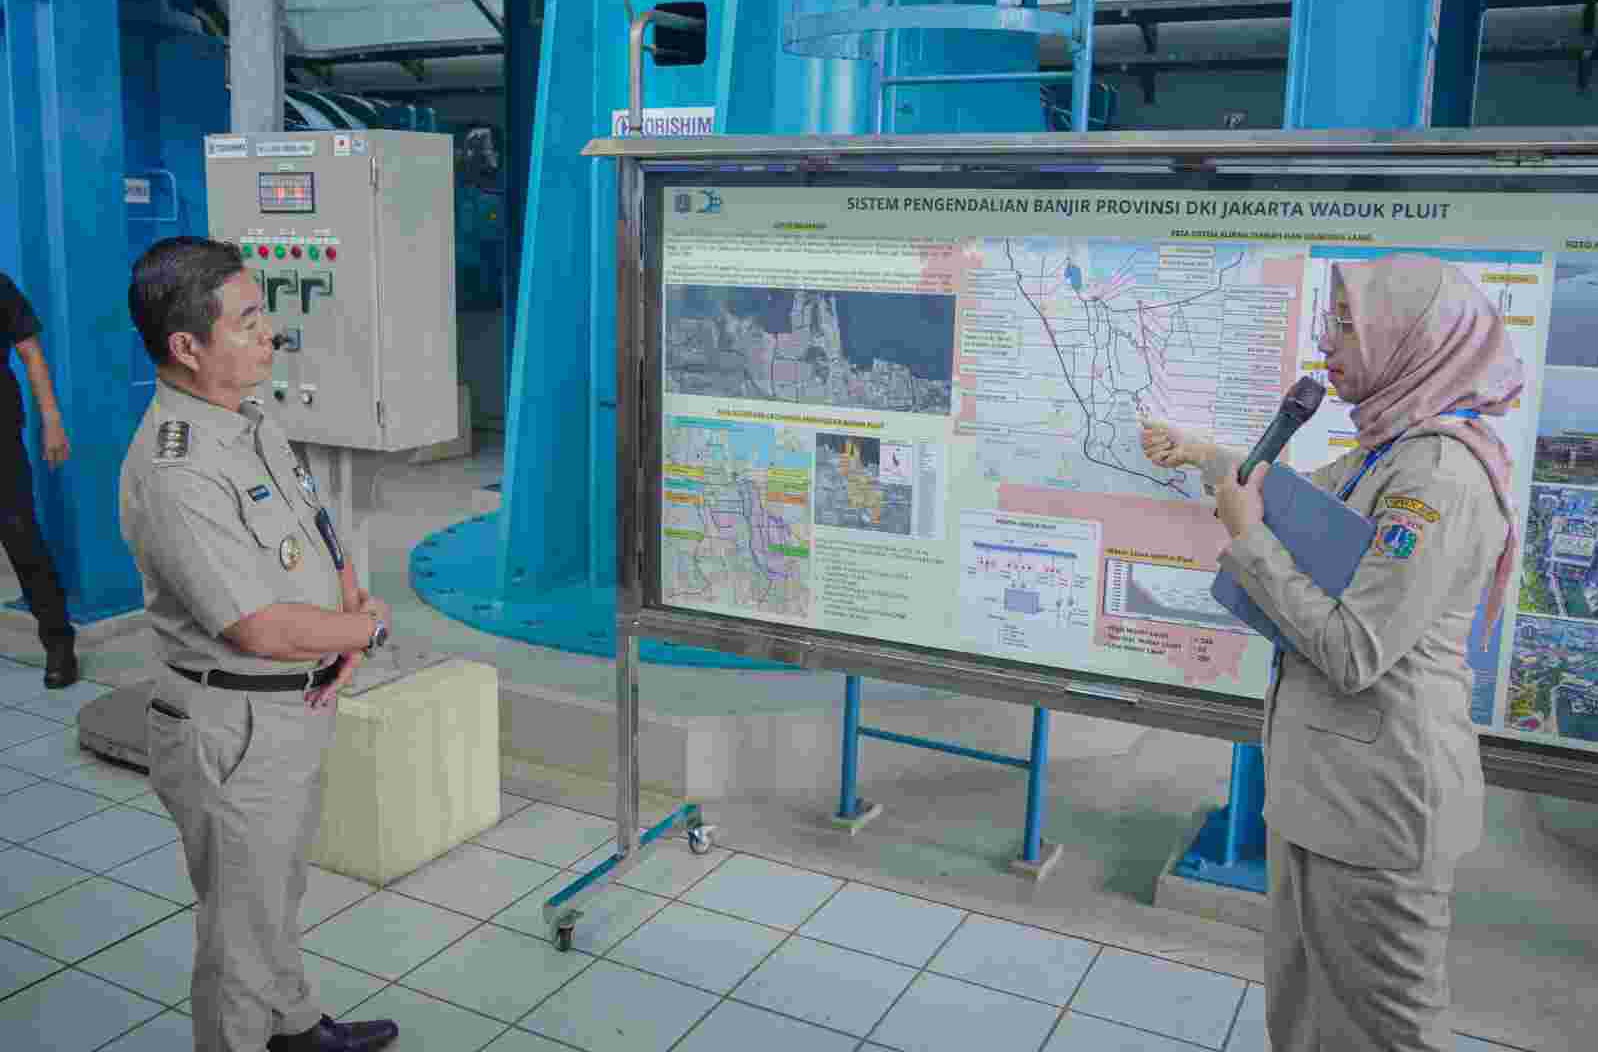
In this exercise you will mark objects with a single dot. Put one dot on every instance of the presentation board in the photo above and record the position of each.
(897, 403)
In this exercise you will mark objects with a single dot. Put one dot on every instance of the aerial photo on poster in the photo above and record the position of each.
(864, 483)
(1559, 556)
(1575, 315)
(1553, 679)
(855, 350)
(1567, 428)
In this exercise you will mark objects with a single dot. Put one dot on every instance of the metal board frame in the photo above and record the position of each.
(1536, 157)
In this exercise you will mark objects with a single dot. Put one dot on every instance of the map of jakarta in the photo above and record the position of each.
(935, 441)
(1032, 380)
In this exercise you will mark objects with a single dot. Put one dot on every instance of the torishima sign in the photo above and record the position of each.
(668, 121)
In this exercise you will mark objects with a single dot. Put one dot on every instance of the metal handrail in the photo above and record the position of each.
(635, 57)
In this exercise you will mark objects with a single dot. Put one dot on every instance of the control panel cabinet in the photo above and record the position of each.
(351, 238)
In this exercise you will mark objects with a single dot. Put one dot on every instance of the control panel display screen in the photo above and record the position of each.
(287, 191)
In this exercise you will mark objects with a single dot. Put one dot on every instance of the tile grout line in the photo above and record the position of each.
(66, 967)
(174, 911)
(965, 915)
(1065, 1009)
(788, 937)
(6, 915)
(102, 874)
(1237, 1013)
(136, 1026)
(1146, 1030)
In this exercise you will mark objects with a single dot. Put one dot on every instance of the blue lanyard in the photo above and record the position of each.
(1380, 451)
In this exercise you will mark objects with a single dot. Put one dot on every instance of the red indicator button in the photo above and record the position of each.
(332, 253)
(261, 251)
(295, 252)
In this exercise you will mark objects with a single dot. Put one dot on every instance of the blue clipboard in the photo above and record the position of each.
(1325, 537)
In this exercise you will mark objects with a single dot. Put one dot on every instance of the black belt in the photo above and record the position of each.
(260, 684)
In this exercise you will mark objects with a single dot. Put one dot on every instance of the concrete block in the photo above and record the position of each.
(413, 771)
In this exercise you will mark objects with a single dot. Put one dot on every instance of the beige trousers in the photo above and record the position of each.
(1356, 959)
(241, 776)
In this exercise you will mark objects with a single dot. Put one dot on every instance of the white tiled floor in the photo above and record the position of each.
(689, 954)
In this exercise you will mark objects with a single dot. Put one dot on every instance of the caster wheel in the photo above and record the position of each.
(563, 939)
(699, 841)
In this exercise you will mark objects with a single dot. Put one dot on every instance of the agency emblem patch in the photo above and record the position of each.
(1397, 541)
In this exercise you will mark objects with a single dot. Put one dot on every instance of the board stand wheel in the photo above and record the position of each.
(701, 839)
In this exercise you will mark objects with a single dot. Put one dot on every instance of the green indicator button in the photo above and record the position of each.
(315, 252)
(279, 252)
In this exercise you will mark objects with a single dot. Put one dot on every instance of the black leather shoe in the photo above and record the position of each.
(60, 665)
(328, 1036)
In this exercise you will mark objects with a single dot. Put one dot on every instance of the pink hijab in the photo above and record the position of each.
(1429, 342)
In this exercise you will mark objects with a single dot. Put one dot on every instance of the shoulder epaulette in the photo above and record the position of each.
(172, 441)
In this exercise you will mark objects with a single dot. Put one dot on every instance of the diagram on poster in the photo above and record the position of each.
(1027, 584)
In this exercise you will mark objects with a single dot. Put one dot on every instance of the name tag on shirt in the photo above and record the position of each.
(259, 493)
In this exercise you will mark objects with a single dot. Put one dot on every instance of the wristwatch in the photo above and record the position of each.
(379, 634)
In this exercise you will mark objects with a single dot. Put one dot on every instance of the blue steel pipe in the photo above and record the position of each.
(1237, 808)
(975, 78)
(1081, 62)
(1032, 841)
(660, 829)
(954, 750)
(847, 802)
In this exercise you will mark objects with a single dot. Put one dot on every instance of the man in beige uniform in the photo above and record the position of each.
(256, 628)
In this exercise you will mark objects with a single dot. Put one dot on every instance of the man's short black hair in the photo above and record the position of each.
(174, 289)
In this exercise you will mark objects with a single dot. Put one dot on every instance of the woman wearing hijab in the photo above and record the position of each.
(1373, 773)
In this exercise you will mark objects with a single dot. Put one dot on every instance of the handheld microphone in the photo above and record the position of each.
(1299, 405)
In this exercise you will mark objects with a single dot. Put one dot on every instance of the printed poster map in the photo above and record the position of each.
(1064, 343)
(736, 522)
(913, 416)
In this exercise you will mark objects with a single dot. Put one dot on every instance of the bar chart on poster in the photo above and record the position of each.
(910, 413)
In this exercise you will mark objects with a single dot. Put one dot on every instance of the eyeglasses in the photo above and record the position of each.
(1336, 322)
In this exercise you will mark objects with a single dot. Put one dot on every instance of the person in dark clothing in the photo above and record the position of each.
(19, 528)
